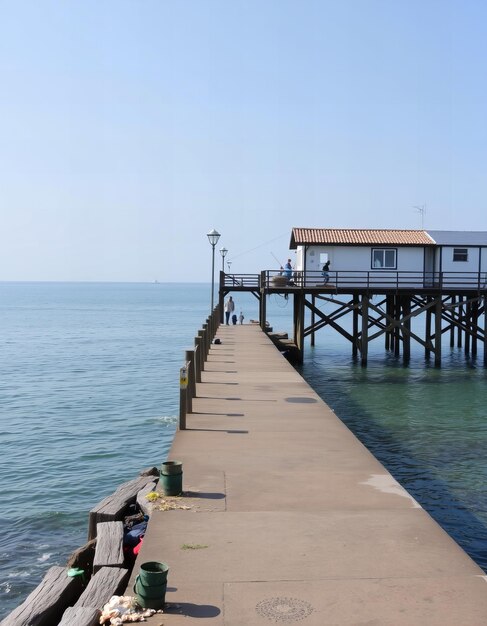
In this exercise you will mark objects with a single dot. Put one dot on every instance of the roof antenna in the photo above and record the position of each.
(422, 210)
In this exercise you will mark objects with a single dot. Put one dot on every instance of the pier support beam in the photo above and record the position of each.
(312, 335)
(485, 329)
(388, 333)
(452, 327)
(474, 326)
(393, 316)
(406, 333)
(428, 337)
(460, 320)
(397, 330)
(365, 330)
(438, 311)
(299, 324)
(355, 314)
(262, 304)
(468, 325)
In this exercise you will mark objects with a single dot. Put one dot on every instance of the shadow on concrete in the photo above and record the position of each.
(220, 430)
(193, 610)
(207, 495)
(205, 413)
(219, 361)
(300, 400)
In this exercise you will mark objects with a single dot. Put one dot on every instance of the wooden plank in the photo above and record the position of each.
(112, 508)
(109, 545)
(46, 604)
(107, 582)
(81, 616)
(142, 502)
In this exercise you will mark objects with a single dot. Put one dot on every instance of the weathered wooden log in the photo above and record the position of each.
(83, 557)
(112, 508)
(107, 582)
(81, 616)
(151, 471)
(109, 545)
(142, 502)
(47, 603)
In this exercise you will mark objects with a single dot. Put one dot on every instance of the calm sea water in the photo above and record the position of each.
(89, 397)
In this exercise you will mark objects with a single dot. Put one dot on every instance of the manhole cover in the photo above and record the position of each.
(284, 609)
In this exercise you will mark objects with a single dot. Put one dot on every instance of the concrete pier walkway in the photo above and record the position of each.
(290, 519)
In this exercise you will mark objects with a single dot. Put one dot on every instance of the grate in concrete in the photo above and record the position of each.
(285, 610)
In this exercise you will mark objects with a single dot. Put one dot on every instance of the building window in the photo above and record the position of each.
(384, 258)
(460, 254)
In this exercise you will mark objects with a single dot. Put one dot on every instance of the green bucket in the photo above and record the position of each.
(150, 597)
(153, 573)
(171, 478)
(151, 584)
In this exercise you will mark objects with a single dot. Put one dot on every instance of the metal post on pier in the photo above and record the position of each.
(221, 298)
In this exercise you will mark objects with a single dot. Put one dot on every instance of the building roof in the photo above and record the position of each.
(459, 237)
(359, 237)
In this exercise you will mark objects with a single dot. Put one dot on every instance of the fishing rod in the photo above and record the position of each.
(273, 255)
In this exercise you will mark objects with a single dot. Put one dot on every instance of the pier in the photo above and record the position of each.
(450, 303)
(287, 518)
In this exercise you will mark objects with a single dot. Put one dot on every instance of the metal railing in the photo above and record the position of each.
(248, 281)
(376, 279)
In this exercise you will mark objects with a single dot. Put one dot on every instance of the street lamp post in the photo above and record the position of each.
(213, 237)
(223, 252)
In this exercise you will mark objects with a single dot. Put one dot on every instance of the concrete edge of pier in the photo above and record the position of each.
(287, 518)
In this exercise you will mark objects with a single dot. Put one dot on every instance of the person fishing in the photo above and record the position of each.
(288, 271)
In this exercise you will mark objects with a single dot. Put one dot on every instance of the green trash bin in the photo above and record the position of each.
(171, 478)
(151, 584)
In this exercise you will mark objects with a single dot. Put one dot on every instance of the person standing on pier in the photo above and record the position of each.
(288, 270)
(241, 317)
(324, 273)
(229, 308)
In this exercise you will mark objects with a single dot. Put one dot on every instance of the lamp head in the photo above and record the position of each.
(213, 237)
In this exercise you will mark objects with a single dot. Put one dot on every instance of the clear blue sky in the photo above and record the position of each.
(129, 129)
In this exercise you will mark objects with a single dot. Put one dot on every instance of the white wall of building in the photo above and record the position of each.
(358, 259)
(449, 265)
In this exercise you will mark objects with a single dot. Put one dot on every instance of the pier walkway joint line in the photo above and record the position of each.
(290, 519)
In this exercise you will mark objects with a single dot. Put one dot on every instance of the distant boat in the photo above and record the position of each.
(156, 282)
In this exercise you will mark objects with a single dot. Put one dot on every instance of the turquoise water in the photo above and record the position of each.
(427, 426)
(89, 396)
